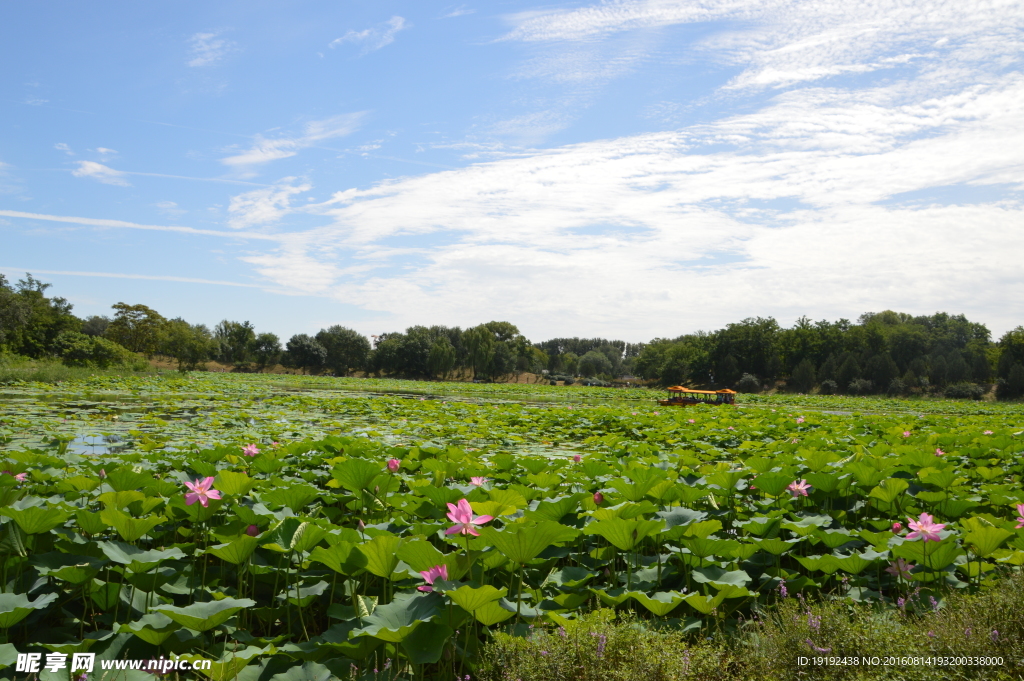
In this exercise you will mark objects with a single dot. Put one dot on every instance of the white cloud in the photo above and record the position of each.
(265, 150)
(374, 38)
(459, 11)
(263, 206)
(61, 146)
(170, 208)
(797, 208)
(208, 48)
(100, 172)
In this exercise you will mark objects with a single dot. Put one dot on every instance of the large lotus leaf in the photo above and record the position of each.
(612, 597)
(491, 508)
(336, 637)
(624, 534)
(231, 664)
(137, 560)
(935, 555)
(71, 569)
(293, 534)
(130, 529)
(569, 577)
(295, 497)
(207, 615)
(381, 554)
(8, 655)
(342, 557)
(772, 484)
(677, 517)
(356, 475)
(808, 524)
(237, 551)
(492, 613)
(703, 604)
(421, 555)
(865, 474)
(761, 526)
(154, 628)
(523, 542)
(396, 620)
(775, 546)
(661, 603)
(426, 643)
(703, 547)
(555, 509)
(16, 607)
(719, 578)
(440, 496)
(36, 519)
(626, 510)
(469, 598)
(855, 564)
(985, 540)
(234, 482)
(120, 500)
(302, 596)
(703, 528)
(124, 479)
(826, 482)
(833, 538)
(308, 671)
(889, 490)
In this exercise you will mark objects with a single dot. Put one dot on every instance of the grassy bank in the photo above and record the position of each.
(14, 369)
(604, 646)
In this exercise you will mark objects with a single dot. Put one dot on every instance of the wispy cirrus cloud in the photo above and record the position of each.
(264, 206)
(374, 38)
(206, 48)
(265, 149)
(100, 173)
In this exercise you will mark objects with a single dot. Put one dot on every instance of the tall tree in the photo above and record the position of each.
(137, 328)
(346, 349)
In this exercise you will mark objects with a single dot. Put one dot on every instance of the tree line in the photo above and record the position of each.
(886, 352)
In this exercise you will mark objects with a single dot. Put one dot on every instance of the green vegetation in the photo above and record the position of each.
(285, 522)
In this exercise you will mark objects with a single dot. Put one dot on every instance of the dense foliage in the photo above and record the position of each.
(238, 518)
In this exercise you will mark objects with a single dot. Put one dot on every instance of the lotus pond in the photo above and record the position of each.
(383, 530)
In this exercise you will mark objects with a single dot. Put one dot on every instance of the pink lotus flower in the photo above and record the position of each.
(1020, 518)
(476, 481)
(250, 450)
(896, 527)
(925, 527)
(691, 421)
(577, 458)
(798, 488)
(432, 574)
(906, 433)
(657, 413)
(800, 420)
(900, 568)
(987, 432)
(939, 452)
(103, 473)
(20, 477)
(202, 491)
(252, 530)
(393, 464)
(598, 498)
(462, 516)
(731, 428)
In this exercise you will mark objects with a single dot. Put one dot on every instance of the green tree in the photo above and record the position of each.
(346, 349)
(30, 323)
(442, 358)
(480, 345)
(848, 372)
(802, 379)
(1011, 347)
(190, 345)
(595, 363)
(1012, 386)
(266, 350)
(305, 353)
(95, 325)
(137, 328)
(236, 342)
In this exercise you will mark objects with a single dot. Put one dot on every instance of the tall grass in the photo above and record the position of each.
(603, 647)
(15, 369)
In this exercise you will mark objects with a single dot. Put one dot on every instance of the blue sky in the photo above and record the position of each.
(622, 169)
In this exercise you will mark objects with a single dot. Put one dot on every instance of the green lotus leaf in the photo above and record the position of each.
(16, 607)
(381, 554)
(295, 497)
(69, 568)
(207, 615)
(234, 482)
(522, 542)
(36, 519)
(356, 475)
(985, 540)
(469, 598)
(426, 643)
(237, 551)
(624, 534)
(124, 479)
(661, 603)
(130, 529)
(719, 578)
(342, 557)
(137, 560)
(888, 490)
(569, 577)
(492, 613)
(154, 628)
(120, 500)
(396, 620)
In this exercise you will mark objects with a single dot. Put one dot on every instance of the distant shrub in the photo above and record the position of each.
(964, 391)
(1012, 386)
(81, 350)
(860, 386)
(828, 387)
(748, 383)
(896, 387)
